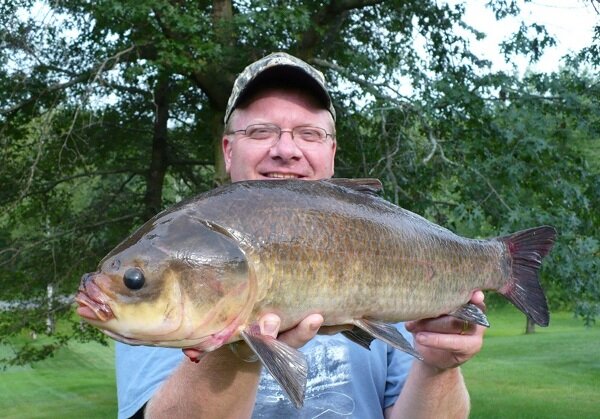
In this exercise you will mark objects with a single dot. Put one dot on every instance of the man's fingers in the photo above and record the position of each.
(477, 298)
(444, 324)
(447, 324)
(457, 344)
(303, 332)
(269, 324)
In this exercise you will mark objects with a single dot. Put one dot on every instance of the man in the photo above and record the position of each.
(279, 103)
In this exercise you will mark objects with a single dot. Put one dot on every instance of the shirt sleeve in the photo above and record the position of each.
(140, 371)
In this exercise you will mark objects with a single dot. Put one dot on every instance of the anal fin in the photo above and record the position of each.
(287, 365)
(388, 334)
(471, 313)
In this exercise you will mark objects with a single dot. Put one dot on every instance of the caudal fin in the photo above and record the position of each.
(527, 248)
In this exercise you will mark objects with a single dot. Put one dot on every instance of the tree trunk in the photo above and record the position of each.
(159, 160)
(50, 322)
(222, 14)
(530, 326)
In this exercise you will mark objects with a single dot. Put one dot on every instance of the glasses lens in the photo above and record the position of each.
(310, 134)
(262, 132)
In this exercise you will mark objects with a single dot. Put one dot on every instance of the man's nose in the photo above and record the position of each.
(286, 148)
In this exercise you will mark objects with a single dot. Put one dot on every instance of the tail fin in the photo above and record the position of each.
(527, 248)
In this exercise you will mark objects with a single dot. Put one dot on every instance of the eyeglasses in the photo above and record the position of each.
(269, 134)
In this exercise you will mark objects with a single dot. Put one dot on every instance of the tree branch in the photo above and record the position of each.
(51, 185)
(93, 73)
(436, 146)
(494, 191)
(342, 5)
(369, 87)
(328, 16)
(47, 239)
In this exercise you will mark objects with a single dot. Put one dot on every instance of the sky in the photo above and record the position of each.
(570, 21)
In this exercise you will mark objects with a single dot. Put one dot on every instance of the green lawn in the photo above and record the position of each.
(554, 373)
(78, 382)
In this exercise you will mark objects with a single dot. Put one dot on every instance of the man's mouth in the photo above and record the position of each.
(275, 175)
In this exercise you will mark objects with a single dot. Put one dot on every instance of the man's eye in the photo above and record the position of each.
(309, 134)
(260, 132)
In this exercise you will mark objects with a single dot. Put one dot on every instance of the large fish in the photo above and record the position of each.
(201, 273)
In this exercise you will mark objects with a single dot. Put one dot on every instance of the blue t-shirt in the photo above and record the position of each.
(344, 379)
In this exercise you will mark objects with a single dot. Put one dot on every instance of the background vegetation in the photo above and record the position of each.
(111, 110)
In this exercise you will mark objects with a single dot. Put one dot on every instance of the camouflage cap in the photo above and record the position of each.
(278, 69)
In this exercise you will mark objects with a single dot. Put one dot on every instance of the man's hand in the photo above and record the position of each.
(445, 342)
(295, 337)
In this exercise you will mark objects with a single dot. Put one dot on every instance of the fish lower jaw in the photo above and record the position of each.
(92, 310)
(87, 313)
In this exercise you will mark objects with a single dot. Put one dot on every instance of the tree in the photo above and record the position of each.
(112, 110)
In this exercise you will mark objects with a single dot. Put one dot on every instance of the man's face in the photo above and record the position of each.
(284, 159)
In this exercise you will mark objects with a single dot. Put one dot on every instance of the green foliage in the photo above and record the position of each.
(111, 110)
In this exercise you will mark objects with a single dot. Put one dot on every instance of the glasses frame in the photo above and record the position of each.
(277, 129)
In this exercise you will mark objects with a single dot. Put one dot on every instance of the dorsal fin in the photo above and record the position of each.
(367, 185)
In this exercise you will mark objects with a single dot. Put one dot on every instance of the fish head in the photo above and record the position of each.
(178, 281)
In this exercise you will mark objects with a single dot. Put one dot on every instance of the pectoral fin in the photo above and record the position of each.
(388, 334)
(287, 365)
(471, 313)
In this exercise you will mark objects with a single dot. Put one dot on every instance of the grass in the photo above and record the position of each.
(77, 382)
(554, 373)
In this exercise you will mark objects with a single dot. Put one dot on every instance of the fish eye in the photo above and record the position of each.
(134, 278)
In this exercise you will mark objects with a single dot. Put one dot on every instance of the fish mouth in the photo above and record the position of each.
(91, 301)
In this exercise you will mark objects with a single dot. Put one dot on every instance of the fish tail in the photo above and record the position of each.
(527, 248)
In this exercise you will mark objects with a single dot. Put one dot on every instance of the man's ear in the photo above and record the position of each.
(226, 145)
(334, 149)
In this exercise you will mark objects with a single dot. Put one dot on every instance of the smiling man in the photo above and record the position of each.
(264, 149)
(280, 123)
(283, 103)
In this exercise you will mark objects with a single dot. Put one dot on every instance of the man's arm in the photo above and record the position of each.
(435, 387)
(222, 384)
